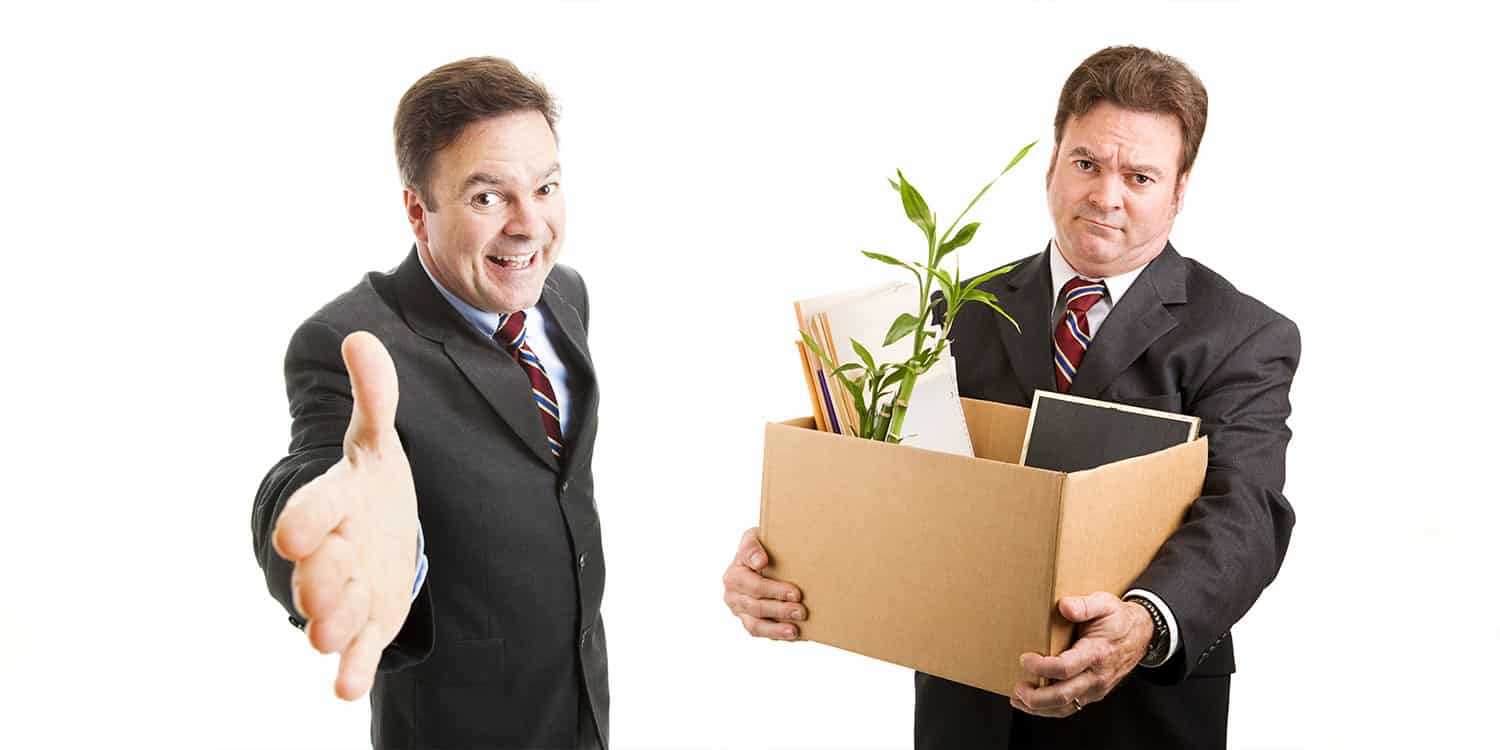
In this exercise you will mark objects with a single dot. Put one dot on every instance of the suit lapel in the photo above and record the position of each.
(1028, 298)
(491, 370)
(582, 382)
(1136, 322)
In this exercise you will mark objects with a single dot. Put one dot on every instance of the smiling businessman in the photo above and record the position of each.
(446, 543)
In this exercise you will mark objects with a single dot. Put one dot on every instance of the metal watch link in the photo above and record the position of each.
(1161, 638)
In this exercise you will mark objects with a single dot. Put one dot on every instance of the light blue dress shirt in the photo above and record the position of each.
(540, 332)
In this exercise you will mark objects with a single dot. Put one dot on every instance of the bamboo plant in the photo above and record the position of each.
(881, 391)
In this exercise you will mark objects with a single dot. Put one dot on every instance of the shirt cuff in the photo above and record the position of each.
(1166, 613)
(421, 576)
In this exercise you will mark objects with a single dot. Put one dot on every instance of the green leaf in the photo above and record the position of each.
(959, 240)
(884, 259)
(864, 355)
(813, 345)
(894, 186)
(949, 288)
(1019, 156)
(916, 208)
(904, 324)
(891, 379)
(854, 391)
(846, 367)
(976, 295)
(997, 309)
(892, 261)
(981, 278)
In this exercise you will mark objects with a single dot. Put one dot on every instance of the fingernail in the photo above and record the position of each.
(757, 560)
(790, 596)
(796, 614)
(791, 632)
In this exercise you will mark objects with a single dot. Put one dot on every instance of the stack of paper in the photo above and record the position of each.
(934, 419)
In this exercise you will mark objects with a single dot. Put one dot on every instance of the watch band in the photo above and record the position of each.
(1156, 651)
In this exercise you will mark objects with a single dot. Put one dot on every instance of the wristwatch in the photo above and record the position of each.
(1161, 638)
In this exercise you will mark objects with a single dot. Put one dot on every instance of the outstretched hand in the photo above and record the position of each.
(351, 534)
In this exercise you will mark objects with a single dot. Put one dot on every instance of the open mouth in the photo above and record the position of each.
(512, 262)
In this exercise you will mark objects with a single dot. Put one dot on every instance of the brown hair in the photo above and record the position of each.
(1141, 80)
(437, 108)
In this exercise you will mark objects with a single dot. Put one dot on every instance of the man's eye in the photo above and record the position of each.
(1084, 164)
(1141, 179)
(487, 199)
(547, 189)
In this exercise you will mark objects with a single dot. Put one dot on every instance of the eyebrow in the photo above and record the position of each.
(485, 178)
(1145, 169)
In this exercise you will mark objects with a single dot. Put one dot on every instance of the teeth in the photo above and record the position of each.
(513, 260)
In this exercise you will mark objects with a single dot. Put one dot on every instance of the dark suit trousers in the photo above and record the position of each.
(1191, 715)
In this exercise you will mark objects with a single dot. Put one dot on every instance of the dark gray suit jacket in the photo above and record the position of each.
(504, 646)
(1181, 339)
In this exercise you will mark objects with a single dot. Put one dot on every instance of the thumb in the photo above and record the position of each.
(1091, 607)
(372, 378)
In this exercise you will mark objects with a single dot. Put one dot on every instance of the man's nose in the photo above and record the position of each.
(1106, 194)
(525, 221)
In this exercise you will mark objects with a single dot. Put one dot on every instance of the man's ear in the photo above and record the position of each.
(1182, 183)
(1051, 165)
(416, 214)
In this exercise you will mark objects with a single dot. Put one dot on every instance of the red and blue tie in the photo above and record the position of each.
(1071, 337)
(512, 336)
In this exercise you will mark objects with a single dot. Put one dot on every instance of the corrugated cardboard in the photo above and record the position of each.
(954, 565)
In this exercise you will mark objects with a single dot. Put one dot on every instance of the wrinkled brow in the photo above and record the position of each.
(1145, 169)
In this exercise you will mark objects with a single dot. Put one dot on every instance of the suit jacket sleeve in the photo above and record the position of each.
(1235, 536)
(321, 403)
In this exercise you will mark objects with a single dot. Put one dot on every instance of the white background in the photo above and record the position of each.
(183, 186)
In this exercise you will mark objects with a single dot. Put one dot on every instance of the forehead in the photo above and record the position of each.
(1115, 133)
(517, 145)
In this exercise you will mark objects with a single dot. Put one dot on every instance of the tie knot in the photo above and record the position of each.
(512, 332)
(1080, 294)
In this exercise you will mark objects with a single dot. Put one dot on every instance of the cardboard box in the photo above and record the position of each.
(954, 565)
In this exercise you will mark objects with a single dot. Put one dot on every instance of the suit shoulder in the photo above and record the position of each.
(569, 282)
(1208, 287)
(369, 305)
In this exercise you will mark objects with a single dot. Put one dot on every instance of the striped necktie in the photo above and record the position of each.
(512, 335)
(1071, 338)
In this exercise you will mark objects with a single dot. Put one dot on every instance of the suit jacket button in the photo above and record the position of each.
(584, 638)
(583, 561)
(565, 485)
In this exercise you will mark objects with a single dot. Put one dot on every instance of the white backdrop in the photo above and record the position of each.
(182, 186)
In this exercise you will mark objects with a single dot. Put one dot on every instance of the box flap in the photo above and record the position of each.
(1115, 517)
(997, 430)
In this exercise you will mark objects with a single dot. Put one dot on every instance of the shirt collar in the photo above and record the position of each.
(1062, 272)
(486, 322)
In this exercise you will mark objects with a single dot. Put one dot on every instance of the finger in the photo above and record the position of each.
(742, 580)
(1068, 664)
(765, 609)
(310, 515)
(336, 630)
(318, 580)
(357, 664)
(776, 631)
(372, 379)
(1092, 607)
(751, 554)
(1054, 700)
